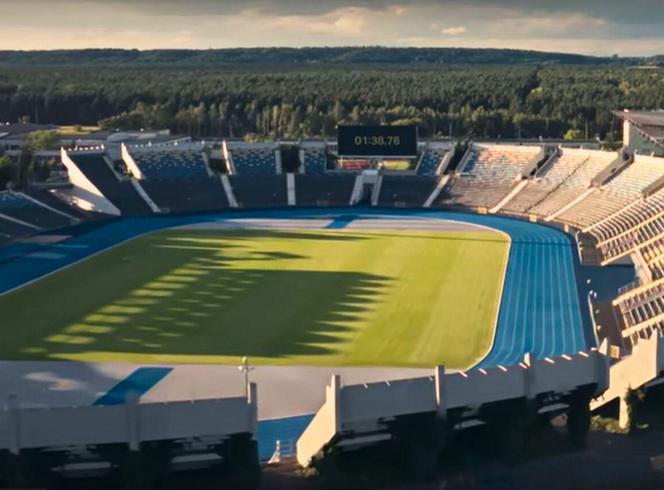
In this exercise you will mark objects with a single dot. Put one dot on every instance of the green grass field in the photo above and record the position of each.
(324, 297)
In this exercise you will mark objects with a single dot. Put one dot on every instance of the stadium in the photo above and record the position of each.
(352, 282)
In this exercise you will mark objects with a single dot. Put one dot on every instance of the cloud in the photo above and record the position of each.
(454, 31)
(592, 26)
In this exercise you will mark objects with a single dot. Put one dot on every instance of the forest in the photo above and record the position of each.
(296, 95)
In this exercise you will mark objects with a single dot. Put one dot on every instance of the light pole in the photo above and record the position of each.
(245, 368)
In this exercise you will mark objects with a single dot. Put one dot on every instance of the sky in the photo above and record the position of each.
(596, 27)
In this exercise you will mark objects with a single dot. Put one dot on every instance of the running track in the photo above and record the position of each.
(540, 311)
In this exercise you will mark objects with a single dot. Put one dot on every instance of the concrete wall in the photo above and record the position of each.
(323, 427)
(645, 363)
(84, 193)
(363, 406)
(385, 399)
(131, 423)
(132, 166)
(635, 140)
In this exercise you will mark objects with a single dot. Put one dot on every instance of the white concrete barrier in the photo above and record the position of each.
(131, 423)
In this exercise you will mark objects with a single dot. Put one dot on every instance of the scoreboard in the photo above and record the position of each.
(377, 141)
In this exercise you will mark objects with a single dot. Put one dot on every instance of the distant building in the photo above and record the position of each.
(13, 135)
(112, 140)
(643, 131)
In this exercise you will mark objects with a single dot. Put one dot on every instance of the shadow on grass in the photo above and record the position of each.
(196, 296)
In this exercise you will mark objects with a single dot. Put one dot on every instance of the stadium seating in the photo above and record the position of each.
(548, 179)
(630, 217)
(50, 199)
(332, 190)
(260, 191)
(641, 310)
(431, 159)
(315, 158)
(20, 207)
(490, 172)
(575, 184)
(186, 195)
(10, 231)
(170, 164)
(178, 181)
(632, 227)
(121, 193)
(624, 188)
(253, 160)
(405, 190)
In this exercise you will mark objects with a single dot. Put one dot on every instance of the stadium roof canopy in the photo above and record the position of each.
(650, 123)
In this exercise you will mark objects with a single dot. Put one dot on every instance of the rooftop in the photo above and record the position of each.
(651, 123)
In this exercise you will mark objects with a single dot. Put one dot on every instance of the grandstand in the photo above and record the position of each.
(101, 179)
(11, 230)
(578, 182)
(432, 158)
(25, 209)
(557, 170)
(252, 160)
(333, 190)
(407, 191)
(488, 173)
(50, 198)
(622, 189)
(263, 191)
(632, 227)
(642, 311)
(314, 156)
(168, 163)
(176, 180)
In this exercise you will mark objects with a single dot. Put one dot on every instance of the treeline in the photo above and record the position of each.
(371, 55)
(483, 100)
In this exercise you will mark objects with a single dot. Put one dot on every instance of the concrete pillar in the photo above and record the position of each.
(301, 157)
(133, 421)
(14, 419)
(602, 366)
(252, 401)
(529, 380)
(277, 160)
(624, 416)
(333, 396)
(441, 394)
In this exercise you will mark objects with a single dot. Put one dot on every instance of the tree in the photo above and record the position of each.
(573, 134)
(7, 171)
(42, 140)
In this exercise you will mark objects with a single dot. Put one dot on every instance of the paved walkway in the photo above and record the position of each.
(282, 390)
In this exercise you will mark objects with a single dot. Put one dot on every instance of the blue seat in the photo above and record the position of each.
(315, 160)
(171, 165)
(254, 162)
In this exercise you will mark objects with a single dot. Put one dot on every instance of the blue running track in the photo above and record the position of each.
(138, 382)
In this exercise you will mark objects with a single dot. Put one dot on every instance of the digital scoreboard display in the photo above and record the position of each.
(377, 141)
